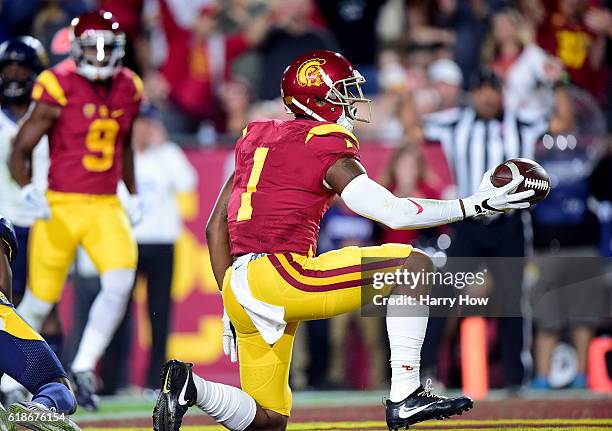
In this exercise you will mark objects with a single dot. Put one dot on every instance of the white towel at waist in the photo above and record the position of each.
(268, 319)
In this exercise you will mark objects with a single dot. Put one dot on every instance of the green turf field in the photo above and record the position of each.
(357, 411)
(456, 425)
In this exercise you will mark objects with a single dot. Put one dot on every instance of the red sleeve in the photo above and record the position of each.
(235, 44)
(171, 28)
(330, 148)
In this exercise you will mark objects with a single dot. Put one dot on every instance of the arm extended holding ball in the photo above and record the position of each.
(369, 199)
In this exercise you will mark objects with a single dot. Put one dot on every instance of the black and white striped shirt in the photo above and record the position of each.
(474, 145)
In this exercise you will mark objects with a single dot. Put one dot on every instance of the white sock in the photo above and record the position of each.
(104, 318)
(406, 336)
(34, 310)
(231, 407)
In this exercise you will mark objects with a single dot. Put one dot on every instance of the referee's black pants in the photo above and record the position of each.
(498, 238)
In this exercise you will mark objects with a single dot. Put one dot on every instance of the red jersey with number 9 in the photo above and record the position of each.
(86, 142)
(278, 196)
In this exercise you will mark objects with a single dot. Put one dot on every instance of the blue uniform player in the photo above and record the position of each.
(27, 358)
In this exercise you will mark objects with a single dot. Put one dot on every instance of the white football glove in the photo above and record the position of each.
(133, 207)
(489, 200)
(229, 338)
(35, 201)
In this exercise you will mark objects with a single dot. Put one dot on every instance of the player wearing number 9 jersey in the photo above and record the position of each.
(86, 106)
(88, 138)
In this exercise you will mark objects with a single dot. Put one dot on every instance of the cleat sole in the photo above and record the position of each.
(448, 415)
(160, 415)
(165, 418)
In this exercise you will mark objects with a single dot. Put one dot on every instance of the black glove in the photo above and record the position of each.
(8, 239)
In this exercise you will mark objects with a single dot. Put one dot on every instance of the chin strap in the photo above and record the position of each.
(343, 120)
(94, 73)
(307, 110)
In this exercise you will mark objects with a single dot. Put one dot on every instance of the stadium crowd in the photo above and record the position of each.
(209, 67)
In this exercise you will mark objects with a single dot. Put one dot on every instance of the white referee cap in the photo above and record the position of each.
(445, 70)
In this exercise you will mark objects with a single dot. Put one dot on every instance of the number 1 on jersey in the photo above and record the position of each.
(246, 209)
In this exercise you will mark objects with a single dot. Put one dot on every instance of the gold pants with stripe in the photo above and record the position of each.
(98, 223)
(309, 288)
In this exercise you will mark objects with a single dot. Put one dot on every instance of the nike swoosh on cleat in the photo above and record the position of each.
(166, 387)
(182, 401)
(406, 413)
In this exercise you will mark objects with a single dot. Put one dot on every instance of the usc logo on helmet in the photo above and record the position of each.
(309, 72)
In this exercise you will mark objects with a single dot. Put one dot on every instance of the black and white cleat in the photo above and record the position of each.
(178, 393)
(423, 405)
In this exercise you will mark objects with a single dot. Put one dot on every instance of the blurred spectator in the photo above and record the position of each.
(42, 19)
(20, 62)
(601, 180)
(576, 34)
(234, 15)
(422, 26)
(392, 74)
(269, 109)
(186, 12)
(197, 63)
(452, 25)
(293, 35)
(393, 83)
(164, 177)
(52, 18)
(446, 79)
(571, 232)
(235, 98)
(406, 174)
(435, 89)
(429, 88)
(129, 14)
(353, 23)
(18, 18)
(527, 71)
(570, 293)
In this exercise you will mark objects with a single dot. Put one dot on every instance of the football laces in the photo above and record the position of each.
(536, 184)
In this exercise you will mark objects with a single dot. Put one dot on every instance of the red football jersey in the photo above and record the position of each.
(86, 142)
(278, 197)
(571, 41)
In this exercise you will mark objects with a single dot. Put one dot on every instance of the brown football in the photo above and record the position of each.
(536, 177)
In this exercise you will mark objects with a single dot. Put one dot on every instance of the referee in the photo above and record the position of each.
(476, 138)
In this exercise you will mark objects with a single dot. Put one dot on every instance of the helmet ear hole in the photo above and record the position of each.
(319, 101)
